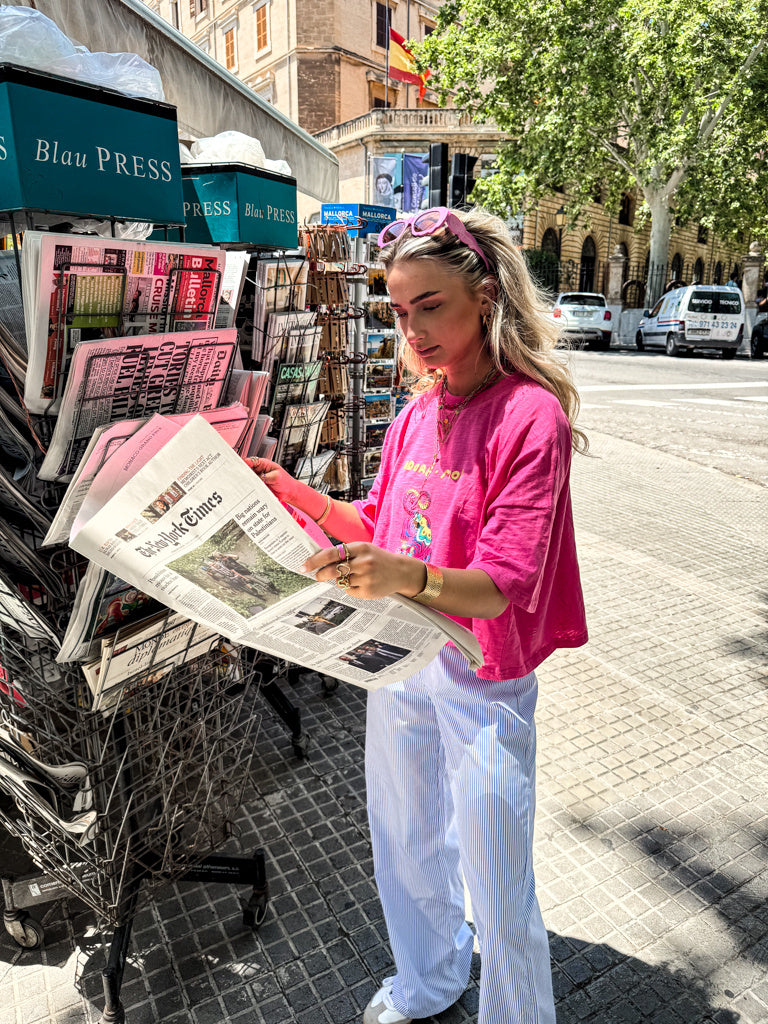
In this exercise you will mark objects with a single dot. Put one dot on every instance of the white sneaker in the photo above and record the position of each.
(380, 1009)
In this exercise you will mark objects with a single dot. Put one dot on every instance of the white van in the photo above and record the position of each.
(696, 316)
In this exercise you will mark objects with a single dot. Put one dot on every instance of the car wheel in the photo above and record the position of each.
(639, 343)
(756, 345)
(671, 347)
(728, 353)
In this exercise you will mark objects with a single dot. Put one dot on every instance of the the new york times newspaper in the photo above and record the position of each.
(197, 530)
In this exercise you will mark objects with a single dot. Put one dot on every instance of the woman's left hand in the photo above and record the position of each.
(371, 571)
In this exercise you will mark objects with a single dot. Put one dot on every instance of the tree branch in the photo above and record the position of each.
(708, 124)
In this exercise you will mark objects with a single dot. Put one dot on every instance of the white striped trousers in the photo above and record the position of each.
(450, 771)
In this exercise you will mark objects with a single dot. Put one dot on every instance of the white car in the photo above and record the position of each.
(584, 319)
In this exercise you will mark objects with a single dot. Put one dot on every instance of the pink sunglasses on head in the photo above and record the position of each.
(428, 222)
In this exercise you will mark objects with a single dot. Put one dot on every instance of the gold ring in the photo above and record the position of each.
(343, 569)
(343, 582)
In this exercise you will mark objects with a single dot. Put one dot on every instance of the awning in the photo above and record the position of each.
(208, 98)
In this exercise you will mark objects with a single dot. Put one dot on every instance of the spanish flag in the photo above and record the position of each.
(402, 65)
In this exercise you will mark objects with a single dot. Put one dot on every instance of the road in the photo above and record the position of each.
(701, 408)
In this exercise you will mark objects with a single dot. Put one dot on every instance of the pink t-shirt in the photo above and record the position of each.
(498, 500)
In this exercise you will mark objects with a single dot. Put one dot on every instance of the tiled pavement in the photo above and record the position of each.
(652, 829)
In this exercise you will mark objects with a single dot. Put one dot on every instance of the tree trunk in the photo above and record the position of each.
(661, 229)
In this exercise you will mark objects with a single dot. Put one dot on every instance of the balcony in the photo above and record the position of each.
(398, 125)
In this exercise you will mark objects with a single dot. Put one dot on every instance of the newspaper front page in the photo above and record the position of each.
(80, 288)
(227, 554)
(131, 378)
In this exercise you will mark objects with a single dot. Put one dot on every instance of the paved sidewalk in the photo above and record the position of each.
(652, 832)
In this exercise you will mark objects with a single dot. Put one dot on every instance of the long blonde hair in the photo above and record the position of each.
(520, 332)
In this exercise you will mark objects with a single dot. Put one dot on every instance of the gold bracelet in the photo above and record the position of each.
(432, 587)
(326, 511)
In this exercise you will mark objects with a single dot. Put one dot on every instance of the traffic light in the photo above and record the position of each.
(461, 181)
(438, 174)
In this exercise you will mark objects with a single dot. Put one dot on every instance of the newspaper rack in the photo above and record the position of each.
(111, 804)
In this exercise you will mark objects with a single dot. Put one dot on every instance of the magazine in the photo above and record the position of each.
(131, 378)
(272, 344)
(79, 288)
(103, 605)
(228, 556)
(294, 382)
(300, 432)
(281, 286)
(142, 654)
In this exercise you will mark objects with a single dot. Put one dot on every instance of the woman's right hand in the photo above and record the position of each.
(280, 482)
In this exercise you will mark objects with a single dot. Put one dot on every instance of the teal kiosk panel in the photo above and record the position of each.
(82, 150)
(236, 203)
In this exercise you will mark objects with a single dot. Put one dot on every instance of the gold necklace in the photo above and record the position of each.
(444, 422)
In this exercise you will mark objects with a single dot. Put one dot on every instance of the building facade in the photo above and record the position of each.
(320, 62)
(323, 64)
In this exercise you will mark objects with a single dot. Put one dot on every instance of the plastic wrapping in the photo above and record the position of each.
(29, 38)
(228, 148)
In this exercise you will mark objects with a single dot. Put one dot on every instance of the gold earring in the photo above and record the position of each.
(485, 319)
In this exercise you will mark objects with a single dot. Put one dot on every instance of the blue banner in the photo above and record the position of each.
(415, 170)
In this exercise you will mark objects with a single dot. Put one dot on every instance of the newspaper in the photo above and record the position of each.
(232, 281)
(79, 288)
(11, 309)
(230, 421)
(121, 378)
(227, 554)
(21, 614)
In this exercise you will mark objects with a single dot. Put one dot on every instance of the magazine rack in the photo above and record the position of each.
(112, 309)
(113, 804)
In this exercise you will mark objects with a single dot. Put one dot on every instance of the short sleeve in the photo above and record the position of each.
(529, 470)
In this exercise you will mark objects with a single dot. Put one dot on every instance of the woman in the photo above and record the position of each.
(471, 514)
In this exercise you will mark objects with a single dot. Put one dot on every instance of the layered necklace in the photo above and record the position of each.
(446, 418)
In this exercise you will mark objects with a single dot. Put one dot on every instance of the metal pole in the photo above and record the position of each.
(386, 73)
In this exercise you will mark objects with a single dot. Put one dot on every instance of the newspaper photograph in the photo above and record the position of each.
(227, 554)
(132, 378)
(80, 288)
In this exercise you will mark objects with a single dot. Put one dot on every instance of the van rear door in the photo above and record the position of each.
(713, 315)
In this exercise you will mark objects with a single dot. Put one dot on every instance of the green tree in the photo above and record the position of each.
(669, 98)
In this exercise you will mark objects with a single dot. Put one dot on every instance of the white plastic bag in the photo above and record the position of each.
(228, 148)
(29, 38)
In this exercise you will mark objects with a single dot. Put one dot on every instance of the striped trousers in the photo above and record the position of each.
(450, 777)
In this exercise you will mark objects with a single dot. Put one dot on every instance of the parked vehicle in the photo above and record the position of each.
(694, 316)
(584, 319)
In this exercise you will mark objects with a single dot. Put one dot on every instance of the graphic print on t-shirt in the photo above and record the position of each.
(416, 538)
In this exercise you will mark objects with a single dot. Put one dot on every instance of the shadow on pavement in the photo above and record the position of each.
(594, 982)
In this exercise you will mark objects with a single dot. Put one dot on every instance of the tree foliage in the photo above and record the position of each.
(668, 98)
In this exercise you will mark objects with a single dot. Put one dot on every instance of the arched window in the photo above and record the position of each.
(550, 242)
(676, 269)
(588, 262)
(698, 271)
(717, 276)
(624, 251)
(626, 213)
